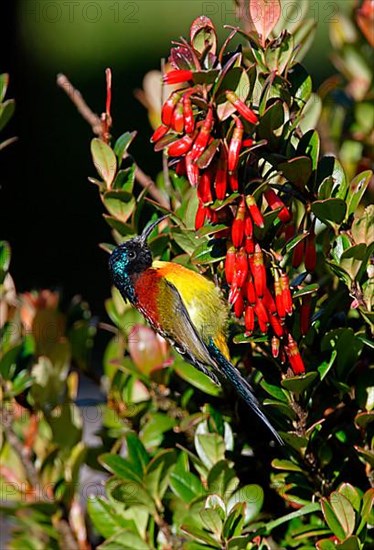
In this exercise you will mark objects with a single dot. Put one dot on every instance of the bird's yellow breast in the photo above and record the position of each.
(201, 298)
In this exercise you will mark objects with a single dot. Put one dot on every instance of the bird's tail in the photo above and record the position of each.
(242, 387)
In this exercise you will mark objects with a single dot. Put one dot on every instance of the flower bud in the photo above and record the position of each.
(177, 76)
(254, 211)
(241, 107)
(235, 145)
(237, 229)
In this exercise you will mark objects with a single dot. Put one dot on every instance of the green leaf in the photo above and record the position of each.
(330, 167)
(235, 521)
(222, 479)
(5, 256)
(131, 493)
(356, 190)
(137, 454)
(297, 384)
(297, 170)
(253, 498)
(122, 144)
(287, 465)
(203, 35)
(352, 494)
(205, 77)
(344, 511)
(195, 377)
(310, 145)
(236, 80)
(329, 210)
(326, 544)
(271, 120)
(308, 509)
(125, 540)
(301, 83)
(119, 204)
(212, 521)
(119, 466)
(104, 160)
(105, 517)
(304, 291)
(157, 424)
(6, 112)
(4, 81)
(200, 535)
(332, 519)
(239, 543)
(9, 360)
(184, 484)
(367, 505)
(210, 447)
(158, 472)
(124, 181)
(363, 226)
(351, 543)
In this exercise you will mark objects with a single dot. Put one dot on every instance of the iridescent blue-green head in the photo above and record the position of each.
(129, 260)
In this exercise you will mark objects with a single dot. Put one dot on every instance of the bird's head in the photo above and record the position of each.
(130, 258)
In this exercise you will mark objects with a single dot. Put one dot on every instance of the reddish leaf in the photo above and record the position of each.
(265, 15)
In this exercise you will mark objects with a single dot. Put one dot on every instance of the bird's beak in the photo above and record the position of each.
(149, 228)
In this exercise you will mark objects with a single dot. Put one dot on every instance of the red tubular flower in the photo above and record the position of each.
(249, 245)
(289, 231)
(249, 320)
(276, 325)
(168, 108)
(269, 302)
(239, 306)
(241, 268)
(310, 252)
(298, 253)
(180, 167)
(274, 201)
(212, 215)
(241, 107)
(177, 120)
(189, 120)
(275, 346)
(294, 357)
(159, 133)
(233, 181)
(220, 183)
(262, 316)
(248, 142)
(203, 136)
(192, 170)
(180, 147)
(254, 211)
(235, 145)
(200, 216)
(305, 312)
(286, 293)
(204, 187)
(251, 293)
(248, 226)
(279, 298)
(237, 228)
(177, 76)
(230, 264)
(258, 270)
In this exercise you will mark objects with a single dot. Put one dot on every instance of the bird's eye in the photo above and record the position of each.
(131, 254)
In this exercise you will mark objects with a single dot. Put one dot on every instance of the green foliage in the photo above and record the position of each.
(185, 464)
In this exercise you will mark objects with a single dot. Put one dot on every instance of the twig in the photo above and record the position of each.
(76, 97)
(98, 129)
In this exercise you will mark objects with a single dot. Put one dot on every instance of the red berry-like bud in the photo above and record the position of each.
(180, 167)
(251, 293)
(275, 346)
(230, 264)
(248, 226)
(258, 270)
(220, 183)
(192, 170)
(305, 313)
(281, 310)
(241, 107)
(286, 293)
(204, 187)
(168, 108)
(203, 136)
(249, 320)
(239, 306)
(298, 253)
(262, 316)
(189, 120)
(200, 216)
(274, 201)
(289, 231)
(254, 211)
(294, 357)
(249, 245)
(269, 302)
(177, 120)
(233, 181)
(248, 142)
(310, 252)
(241, 268)
(177, 76)
(276, 325)
(180, 147)
(159, 133)
(237, 229)
(235, 145)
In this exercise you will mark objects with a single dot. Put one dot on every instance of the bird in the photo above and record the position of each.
(185, 308)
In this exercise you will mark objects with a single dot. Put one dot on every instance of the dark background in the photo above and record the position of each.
(50, 213)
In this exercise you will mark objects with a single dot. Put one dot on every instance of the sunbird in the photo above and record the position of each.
(185, 308)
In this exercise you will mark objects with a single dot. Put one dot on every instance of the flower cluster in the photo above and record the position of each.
(208, 132)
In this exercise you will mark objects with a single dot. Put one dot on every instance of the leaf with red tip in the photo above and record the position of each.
(265, 15)
(203, 35)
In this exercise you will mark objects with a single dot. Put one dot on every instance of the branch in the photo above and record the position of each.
(98, 128)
